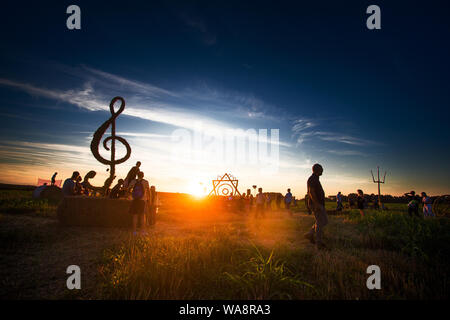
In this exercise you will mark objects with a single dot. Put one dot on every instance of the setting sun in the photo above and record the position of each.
(198, 189)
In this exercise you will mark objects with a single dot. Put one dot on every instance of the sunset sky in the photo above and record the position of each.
(341, 95)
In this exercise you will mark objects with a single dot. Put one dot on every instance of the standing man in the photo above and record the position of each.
(54, 178)
(152, 206)
(427, 208)
(361, 202)
(278, 201)
(249, 201)
(317, 204)
(131, 175)
(413, 204)
(287, 201)
(141, 196)
(339, 201)
(260, 202)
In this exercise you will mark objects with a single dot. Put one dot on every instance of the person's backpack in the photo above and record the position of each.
(138, 190)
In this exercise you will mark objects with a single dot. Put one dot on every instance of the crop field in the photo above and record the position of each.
(223, 254)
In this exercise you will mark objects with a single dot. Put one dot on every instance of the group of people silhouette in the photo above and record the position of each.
(260, 203)
(414, 201)
(361, 203)
(316, 203)
(144, 198)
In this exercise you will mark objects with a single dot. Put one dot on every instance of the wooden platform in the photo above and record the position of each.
(95, 212)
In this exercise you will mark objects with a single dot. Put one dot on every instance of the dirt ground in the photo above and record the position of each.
(35, 251)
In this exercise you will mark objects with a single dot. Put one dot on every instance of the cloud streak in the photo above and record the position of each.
(148, 102)
(303, 131)
(140, 87)
(348, 153)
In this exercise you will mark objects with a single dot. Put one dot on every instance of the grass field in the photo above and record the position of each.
(188, 255)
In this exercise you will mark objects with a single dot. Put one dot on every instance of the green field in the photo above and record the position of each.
(188, 255)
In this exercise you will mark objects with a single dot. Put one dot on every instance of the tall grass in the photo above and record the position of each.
(221, 264)
(18, 205)
(264, 277)
(424, 238)
(217, 267)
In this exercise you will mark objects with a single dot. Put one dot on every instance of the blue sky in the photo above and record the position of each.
(340, 94)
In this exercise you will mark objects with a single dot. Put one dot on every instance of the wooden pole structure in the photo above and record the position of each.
(379, 182)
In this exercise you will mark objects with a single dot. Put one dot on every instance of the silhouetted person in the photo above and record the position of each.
(68, 188)
(339, 201)
(288, 201)
(361, 202)
(140, 195)
(351, 203)
(117, 191)
(427, 205)
(317, 204)
(278, 201)
(54, 178)
(260, 202)
(242, 203)
(413, 204)
(153, 205)
(132, 174)
(376, 205)
(249, 201)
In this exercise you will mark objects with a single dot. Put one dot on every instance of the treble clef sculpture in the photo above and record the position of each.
(95, 143)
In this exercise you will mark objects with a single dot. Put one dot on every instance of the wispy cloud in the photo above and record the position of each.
(223, 103)
(137, 86)
(149, 102)
(348, 153)
(301, 130)
(226, 103)
(343, 138)
(44, 154)
(305, 129)
(84, 98)
(301, 125)
(52, 146)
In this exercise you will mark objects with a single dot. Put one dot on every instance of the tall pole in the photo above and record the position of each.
(379, 192)
(378, 181)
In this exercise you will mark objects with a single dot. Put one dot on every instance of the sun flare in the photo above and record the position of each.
(197, 189)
